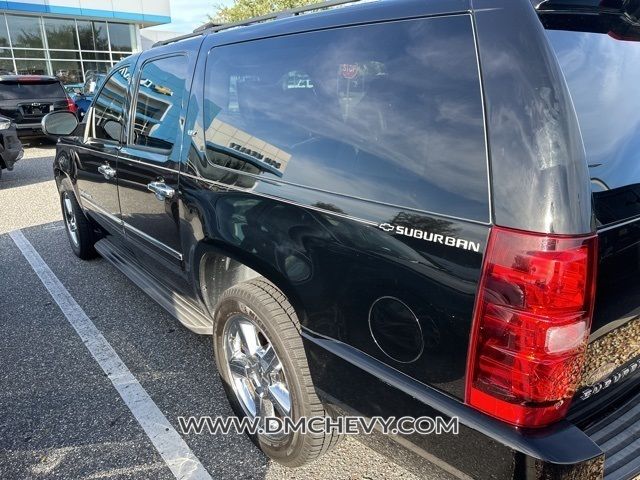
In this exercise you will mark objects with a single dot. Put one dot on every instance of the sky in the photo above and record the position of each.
(189, 14)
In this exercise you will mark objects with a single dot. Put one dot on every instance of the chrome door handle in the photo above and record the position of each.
(161, 190)
(107, 171)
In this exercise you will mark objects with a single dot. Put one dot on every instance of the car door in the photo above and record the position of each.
(98, 151)
(149, 161)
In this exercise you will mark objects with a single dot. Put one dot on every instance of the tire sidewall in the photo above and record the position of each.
(76, 248)
(235, 305)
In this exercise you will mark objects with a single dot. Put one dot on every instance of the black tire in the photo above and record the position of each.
(270, 310)
(85, 239)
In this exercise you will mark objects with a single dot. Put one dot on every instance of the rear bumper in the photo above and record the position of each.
(483, 448)
(618, 435)
(30, 130)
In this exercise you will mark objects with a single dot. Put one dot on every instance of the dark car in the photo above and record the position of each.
(10, 146)
(396, 208)
(26, 99)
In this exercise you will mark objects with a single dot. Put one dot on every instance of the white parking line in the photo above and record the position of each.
(173, 449)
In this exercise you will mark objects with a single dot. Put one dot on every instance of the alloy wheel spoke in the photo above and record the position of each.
(269, 359)
(280, 398)
(67, 206)
(248, 337)
(258, 402)
(238, 366)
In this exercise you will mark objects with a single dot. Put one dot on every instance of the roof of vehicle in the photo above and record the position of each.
(322, 15)
(28, 78)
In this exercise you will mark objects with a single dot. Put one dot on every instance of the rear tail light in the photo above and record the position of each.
(531, 325)
(71, 106)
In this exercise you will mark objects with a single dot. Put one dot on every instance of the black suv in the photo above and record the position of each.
(26, 99)
(394, 208)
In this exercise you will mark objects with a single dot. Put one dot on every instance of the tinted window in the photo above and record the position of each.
(603, 74)
(387, 112)
(32, 90)
(159, 102)
(109, 107)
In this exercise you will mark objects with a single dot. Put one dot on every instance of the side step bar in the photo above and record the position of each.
(190, 315)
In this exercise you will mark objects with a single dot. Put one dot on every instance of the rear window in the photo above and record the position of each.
(603, 75)
(30, 90)
(388, 112)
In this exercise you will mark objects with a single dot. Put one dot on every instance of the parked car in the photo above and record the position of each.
(444, 222)
(74, 89)
(10, 146)
(85, 97)
(26, 99)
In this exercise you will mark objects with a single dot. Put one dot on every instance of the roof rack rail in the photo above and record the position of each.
(213, 27)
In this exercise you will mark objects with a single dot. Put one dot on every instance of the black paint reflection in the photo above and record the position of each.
(389, 112)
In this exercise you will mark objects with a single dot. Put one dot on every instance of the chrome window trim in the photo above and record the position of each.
(149, 164)
(100, 152)
(611, 226)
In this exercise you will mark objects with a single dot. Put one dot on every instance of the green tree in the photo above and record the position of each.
(244, 9)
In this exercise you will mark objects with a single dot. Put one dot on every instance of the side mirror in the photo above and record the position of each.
(59, 124)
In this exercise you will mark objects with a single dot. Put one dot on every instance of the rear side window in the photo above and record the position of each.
(30, 90)
(387, 112)
(603, 75)
(159, 102)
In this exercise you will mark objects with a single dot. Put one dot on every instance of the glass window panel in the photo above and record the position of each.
(67, 72)
(91, 68)
(122, 36)
(93, 82)
(93, 35)
(119, 56)
(159, 102)
(61, 33)
(108, 108)
(32, 67)
(64, 55)
(25, 31)
(95, 56)
(4, 34)
(12, 90)
(374, 112)
(23, 53)
(6, 67)
(5, 52)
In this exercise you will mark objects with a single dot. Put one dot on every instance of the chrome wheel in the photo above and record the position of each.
(70, 219)
(257, 376)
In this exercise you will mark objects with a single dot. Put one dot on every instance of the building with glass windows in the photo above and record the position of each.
(73, 39)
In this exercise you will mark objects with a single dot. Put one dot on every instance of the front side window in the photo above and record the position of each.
(109, 107)
(388, 112)
(159, 101)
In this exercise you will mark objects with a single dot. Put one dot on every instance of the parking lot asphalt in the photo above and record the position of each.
(60, 415)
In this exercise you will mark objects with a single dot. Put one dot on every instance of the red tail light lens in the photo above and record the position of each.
(71, 106)
(531, 325)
